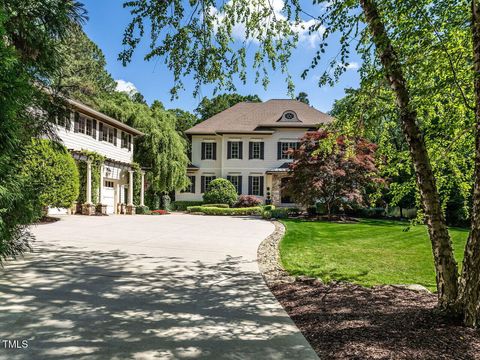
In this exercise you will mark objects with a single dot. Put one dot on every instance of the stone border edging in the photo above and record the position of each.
(268, 258)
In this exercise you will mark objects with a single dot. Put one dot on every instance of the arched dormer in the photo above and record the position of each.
(289, 116)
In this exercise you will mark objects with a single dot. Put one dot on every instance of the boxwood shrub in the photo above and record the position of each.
(220, 191)
(182, 205)
(217, 205)
(225, 211)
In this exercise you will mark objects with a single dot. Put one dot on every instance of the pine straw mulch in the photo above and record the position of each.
(346, 321)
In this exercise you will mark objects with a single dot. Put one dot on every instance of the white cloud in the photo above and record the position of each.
(126, 86)
(301, 28)
(353, 66)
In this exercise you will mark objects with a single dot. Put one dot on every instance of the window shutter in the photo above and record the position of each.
(229, 178)
(203, 154)
(192, 179)
(229, 149)
(94, 129)
(239, 185)
(250, 183)
(261, 186)
(76, 122)
(115, 137)
(202, 184)
(279, 150)
(240, 150)
(262, 150)
(214, 151)
(250, 150)
(130, 142)
(100, 131)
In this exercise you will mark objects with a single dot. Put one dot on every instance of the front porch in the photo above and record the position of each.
(275, 181)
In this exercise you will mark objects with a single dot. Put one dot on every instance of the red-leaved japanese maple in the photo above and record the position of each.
(333, 169)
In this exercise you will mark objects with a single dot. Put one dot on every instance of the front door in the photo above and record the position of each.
(285, 199)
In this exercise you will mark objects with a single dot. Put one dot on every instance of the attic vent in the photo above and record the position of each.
(289, 116)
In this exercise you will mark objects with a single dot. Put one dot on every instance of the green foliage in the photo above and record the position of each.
(220, 191)
(266, 214)
(52, 174)
(142, 210)
(166, 202)
(83, 74)
(209, 107)
(217, 205)
(29, 60)
(280, 213)
(182, 205)
(162, 149)
(225, 211)
(269, 207)
(97, 161)
(303, 97)
(369, 253)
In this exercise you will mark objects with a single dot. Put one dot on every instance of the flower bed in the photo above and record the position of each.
(160, 212)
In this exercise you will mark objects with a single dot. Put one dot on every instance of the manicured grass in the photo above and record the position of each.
(371, 252)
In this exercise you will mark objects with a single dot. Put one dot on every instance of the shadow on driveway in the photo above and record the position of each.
(78, 304)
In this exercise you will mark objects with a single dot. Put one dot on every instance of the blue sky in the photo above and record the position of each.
(107, 20)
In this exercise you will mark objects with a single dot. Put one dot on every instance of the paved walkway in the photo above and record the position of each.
(145, 287)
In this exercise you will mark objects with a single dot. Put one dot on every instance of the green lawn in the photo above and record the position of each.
(371, 252)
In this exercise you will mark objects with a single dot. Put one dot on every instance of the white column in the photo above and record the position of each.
(89, 182)
(100, 186)
(130, 187)
(117, 199)
(142, 190)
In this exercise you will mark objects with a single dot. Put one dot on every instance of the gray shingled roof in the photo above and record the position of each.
(247, 117)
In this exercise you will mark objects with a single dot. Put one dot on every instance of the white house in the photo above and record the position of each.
(248, 144)
(88, 129)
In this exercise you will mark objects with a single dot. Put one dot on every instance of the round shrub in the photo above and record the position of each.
(220, 191)
(52, 173)
(247, 201)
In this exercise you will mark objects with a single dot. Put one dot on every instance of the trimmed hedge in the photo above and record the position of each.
(217, 205)
(225, 211)
(183, 205)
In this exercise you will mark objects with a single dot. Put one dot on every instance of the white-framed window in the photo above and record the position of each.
(255, 185)
(236, 180)
(285, 147)
(88, 129)
(209, 151)
(235, 149)
(206, 180)
(109, 134)
(256, 150)
(81, 125)
(109, 184)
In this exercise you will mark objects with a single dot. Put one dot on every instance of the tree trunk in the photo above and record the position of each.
(469, 297)
(445, 264)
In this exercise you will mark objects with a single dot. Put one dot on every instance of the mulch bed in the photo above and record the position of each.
(346, 321)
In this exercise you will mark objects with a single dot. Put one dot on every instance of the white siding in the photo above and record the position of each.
(243, 167)
(79, 141)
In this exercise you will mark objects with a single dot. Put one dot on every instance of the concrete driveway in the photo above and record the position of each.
(145, 287)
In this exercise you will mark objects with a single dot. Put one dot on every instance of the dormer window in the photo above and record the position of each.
(289, 116)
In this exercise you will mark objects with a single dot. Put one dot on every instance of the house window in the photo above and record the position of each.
(284, 147)
(209, 151)
(206, 180)
(191, 187)
(255, 185)
(234, 150)
(109, 134)
(88, 130)
(64, 119)
(236, 180)
(109, 184)
(256, 150)
(81, 125)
